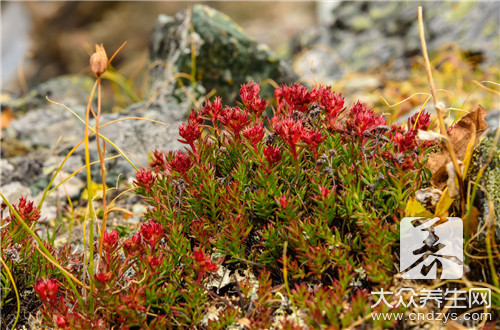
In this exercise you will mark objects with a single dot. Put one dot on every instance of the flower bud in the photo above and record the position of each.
(99, 61)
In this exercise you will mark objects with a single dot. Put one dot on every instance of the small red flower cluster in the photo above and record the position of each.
(152, 233)
(47, 290)
(181, 163)
(298, 97)
(250, 96)
(133, 244)
(110, 240)
(27, 211)
(54, 308)
(272, 154)
(192, 131)
(203, 263)
(144, 179)
(290, 131)
(234, 119)
(254, 134)
(363, 119)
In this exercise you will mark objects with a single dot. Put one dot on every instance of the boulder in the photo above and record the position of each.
(225, 57)
(490, 181)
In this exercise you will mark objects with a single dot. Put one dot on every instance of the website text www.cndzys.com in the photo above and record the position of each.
(444, 317)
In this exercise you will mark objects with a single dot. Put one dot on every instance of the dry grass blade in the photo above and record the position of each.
(439, 110)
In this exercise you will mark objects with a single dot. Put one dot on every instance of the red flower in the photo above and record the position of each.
(313, 138)
(144, 179)
(212, 109)
(181, 163)
(254, 134)
(154, 262)
(158, 164)
(324, 191)
(363, 119)
(190, 132)
(250, 96)
(110, 240)
(272, 155)
(26, 210)
(47, 289)
(249, 92)
(296, 96)
(152, 232)
(204, 263)
(103, 278)
(420, 120)
(234, 119)
(61, 322)
(132, 244)
(195, 117)
(408, 164)
(331, 102)
(405, 141)
(283, 202)
(290, 131)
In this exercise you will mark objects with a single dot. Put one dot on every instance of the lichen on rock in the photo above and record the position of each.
(490, 181)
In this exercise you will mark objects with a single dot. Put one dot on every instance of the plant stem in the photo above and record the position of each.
(103, 166)
(439, 111)
(91, 209)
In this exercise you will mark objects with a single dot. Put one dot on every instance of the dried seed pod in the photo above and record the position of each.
(99, 61)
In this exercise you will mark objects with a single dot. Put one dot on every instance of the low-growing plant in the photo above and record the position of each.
(306, 204)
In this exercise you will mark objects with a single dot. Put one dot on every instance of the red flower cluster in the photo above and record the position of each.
(26, 210)
(103, 278)
(290, 131)
(313, 138)
(204, 263)
(181, 163)
(158, 164)
(295, 97)
(362, 119)
(110, 240)
(250, 96)
(144, 179)
(192, 131)
(254, 134)
(152, 233)
(212, 109)
(154, 262)
(47, 290)
(420, 120)
(332, 103)
(234, 119)
(273, 155)
(132, 244)
(283, 202)
(405, 141)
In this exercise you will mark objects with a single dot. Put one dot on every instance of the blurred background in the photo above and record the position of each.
(42, 40)
(365, 49)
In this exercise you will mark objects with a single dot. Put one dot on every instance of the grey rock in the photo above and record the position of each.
(15, 190)
(490, 180)
(73, 89)
(225, 56)
(365, 35)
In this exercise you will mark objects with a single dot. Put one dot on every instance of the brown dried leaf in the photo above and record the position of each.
(473, 221)
(471, 125)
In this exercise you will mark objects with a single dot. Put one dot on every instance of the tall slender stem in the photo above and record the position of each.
(439, 111)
